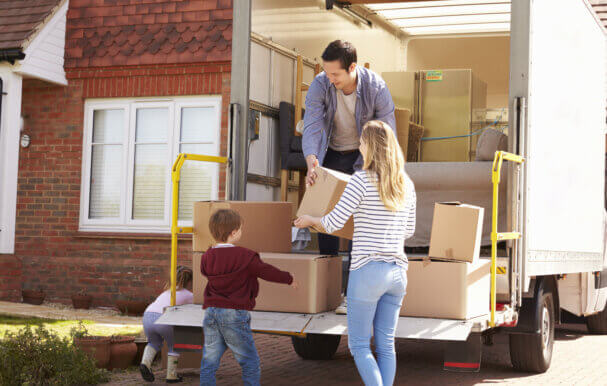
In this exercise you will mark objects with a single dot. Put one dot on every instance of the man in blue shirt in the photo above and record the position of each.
(339, 102)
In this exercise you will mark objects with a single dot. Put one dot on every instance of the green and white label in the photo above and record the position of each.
(434, 76)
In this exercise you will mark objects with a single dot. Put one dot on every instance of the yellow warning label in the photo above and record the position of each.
(501, 270)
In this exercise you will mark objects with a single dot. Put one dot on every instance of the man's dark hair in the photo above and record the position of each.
(342, 51)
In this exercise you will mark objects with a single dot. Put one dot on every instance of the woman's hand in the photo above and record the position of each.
(306, 221)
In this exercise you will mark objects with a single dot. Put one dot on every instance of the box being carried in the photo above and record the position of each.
(456, 232)
(266, 225)
(322, 197)
(319, 280)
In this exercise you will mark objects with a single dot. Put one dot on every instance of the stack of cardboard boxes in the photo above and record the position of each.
(267, 229)
(452, 282)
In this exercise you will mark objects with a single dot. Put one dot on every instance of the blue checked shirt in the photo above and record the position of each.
(373, 101)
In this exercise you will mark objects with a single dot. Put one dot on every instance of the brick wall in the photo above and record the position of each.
(113, 50)
(10, 278)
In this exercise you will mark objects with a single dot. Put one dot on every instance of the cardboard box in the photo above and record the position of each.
(319, 280)
(456, 232)
(449, 290)
(322, 197)
(402, 117)
(266, 225)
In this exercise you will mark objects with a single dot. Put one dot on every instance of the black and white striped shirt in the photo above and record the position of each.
(379, 234)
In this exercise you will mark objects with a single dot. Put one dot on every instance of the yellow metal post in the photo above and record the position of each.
(500, 156)
(175, 230)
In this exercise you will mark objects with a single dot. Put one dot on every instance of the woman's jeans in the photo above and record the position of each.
(223, 328)
(375, 295)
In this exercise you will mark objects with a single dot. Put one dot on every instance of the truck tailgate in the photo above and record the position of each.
(191, 315)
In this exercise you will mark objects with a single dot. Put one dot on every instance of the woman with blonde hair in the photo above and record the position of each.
(381, 197)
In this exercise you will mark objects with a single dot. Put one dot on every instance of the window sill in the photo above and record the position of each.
(129, 236)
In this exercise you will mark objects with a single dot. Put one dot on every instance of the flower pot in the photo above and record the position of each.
(122, 352)
(131, 307)
(141, 343)
(96, 347)
(82, 301)
(33, 296)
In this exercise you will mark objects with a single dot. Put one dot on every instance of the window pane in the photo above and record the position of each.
(198, 124)
(108, 126)
(149, 182)
(196, 182)
(106, 167)
(152, 125)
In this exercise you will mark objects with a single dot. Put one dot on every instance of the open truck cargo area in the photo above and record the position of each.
(494, 113)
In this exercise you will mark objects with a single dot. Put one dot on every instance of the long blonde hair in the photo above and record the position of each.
(385, 158)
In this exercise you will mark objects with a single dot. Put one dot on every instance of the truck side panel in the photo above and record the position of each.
(560, 71)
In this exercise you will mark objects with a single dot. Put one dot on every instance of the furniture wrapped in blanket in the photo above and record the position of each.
(468, 182)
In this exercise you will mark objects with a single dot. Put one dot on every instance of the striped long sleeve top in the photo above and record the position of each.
(379, 234)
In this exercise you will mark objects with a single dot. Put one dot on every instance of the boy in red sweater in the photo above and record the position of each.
(229, 296)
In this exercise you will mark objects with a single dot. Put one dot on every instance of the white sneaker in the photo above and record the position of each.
(343, 307)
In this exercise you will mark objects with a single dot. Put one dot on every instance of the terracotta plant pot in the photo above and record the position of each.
(82, 301)
(96, 347)
(33, 296)
(131, 307)
(122, 352)
(141, 343)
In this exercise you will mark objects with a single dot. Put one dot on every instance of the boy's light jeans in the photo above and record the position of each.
(375, 295)
(223, 328)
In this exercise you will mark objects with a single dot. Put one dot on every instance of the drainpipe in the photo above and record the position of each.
(1, 96)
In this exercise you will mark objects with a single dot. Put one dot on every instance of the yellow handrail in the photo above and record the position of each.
(500, 156)
(175, 177)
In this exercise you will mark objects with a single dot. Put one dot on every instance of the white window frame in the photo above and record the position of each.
(125, 223)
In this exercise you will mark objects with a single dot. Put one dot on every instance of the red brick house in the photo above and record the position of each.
(85, 205)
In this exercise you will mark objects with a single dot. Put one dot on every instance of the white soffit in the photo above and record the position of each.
(44, 53)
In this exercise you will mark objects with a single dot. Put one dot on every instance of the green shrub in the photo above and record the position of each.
(41, 357)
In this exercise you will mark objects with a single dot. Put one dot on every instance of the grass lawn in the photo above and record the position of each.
(63, 327)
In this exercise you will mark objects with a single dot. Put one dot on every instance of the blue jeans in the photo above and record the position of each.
(375, 295)
(223, 328)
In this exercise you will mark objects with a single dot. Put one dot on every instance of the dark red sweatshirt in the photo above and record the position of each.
(233, 273)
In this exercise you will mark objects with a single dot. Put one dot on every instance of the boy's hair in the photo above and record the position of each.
(223, 222)
(184, 278)
(342, 51)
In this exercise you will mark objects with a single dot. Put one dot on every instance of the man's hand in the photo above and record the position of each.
(306, 221)
(312, 162)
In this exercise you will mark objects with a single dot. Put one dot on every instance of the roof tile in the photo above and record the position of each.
(19, 19)
(182, 31)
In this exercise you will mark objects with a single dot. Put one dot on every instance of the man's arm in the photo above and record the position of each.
(384, 107)
(313, 126)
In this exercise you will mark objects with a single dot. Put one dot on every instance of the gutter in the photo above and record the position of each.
(11, 54)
